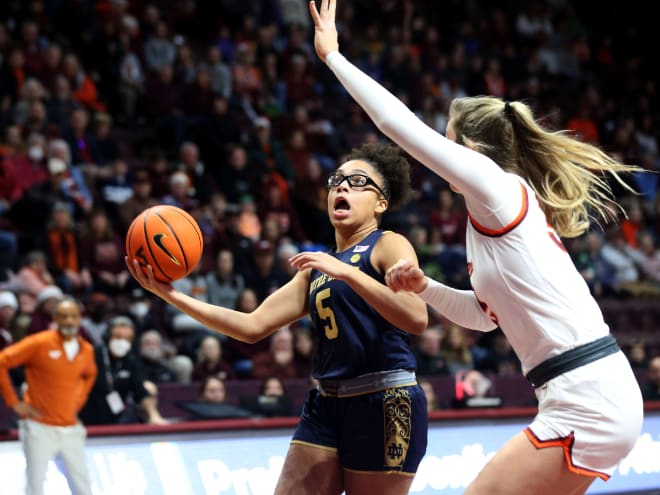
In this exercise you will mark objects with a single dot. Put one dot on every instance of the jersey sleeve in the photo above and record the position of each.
(459, 306)
(489, 191)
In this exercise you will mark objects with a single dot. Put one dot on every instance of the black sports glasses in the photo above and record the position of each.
(355, 181)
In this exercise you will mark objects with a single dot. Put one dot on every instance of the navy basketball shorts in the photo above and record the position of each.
(384, 431)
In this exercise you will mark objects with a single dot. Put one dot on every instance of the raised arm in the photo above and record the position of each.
(486, 187)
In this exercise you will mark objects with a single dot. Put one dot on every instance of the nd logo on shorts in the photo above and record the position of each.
(397, 409)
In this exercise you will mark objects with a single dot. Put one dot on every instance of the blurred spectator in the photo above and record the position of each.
(131, 83)
(159, 50)
(279, 359)
(224, 283)
(56, 388)
(272, 399)
(428, 352)
(161, 362)
(275, 204)
(64, 252)
(61, 104)
(79, 138)
(304, 347)
(647, 258)
(211, 402)
(499, 357)
(450, 217)
(140, 200)
(194, 285)
(84, 88)
(637, 353)
(115, 188)
(144, 312)
(162, 106)
(455, 348)
(102, 252)
(24, 170)
(241, 177)
(181, 192)
(8, 310)
(651, 386)
(121, 394)
(220, 73)
(633, 224)
(615, 251)
(247, 219)
(197, 97)
(105, 148)
(597, 271)
(240, 353)
(98, 310)
(216, 131)
(310, 199)
(268, 151)
(75, 185)
(33, 210)
(44, 312)
(246, 76)
(285, 251)
(266, 276)
(33, 276)
(202, 180)
(210, 361)
(213, 390)
(429, 392)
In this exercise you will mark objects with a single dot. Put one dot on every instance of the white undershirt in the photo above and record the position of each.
(71, 348)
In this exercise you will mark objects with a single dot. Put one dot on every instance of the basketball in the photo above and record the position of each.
(167, 238)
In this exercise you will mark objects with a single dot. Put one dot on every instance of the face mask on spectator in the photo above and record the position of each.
(119, 347)
(36, 153)
(139, 309)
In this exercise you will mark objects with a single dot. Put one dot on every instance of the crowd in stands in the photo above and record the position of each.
(220, 107)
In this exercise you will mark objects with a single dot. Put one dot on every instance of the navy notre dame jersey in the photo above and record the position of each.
(353, 338)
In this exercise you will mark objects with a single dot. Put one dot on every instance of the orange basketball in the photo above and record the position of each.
(167, 238)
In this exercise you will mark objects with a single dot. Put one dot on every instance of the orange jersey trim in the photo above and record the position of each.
(507, 228)
(565, 443)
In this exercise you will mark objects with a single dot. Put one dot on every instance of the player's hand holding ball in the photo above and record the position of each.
(164, 243)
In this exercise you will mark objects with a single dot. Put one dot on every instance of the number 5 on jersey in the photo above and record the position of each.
(326, 314)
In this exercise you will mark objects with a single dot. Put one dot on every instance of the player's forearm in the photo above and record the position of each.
(402, 309)
(459, 306)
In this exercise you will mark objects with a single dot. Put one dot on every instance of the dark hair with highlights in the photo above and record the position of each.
(393, 167)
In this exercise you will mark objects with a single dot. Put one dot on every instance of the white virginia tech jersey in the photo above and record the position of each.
(526, 282)
(521, 273)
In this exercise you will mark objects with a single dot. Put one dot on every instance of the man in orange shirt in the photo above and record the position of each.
(59, 372)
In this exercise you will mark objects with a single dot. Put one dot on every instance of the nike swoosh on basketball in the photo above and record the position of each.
(158, 240)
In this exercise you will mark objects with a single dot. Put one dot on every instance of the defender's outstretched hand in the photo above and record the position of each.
(325, 31)
(404, 275)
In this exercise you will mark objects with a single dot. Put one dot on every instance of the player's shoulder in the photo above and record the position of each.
(390, 237)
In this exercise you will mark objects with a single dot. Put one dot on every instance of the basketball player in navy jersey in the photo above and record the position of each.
(525, 187)
(364, 430)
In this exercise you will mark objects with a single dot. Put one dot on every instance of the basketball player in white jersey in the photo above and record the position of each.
(524, 187)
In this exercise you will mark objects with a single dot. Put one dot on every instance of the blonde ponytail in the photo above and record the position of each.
(570, 177)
